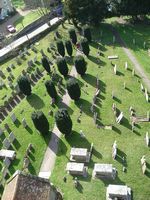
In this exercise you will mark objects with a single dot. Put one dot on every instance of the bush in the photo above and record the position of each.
(68, 46)
(40, 121)
(24, 85)
(46, 64)
(62, 66)
(51, 90)
(73, 36)
(60, 48)
(80, 65)
(63, 121)
(73, 89)
(87, 33)
(85, 46)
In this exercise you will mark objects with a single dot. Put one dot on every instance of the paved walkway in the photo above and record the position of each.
(51, 151)
(133, 59)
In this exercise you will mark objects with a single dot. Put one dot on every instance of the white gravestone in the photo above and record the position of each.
(114, 150)
(142, 87)
(7, 162)
(147, 139)
(24, 123)
(115, 69)
(119, 118)
(126, 65)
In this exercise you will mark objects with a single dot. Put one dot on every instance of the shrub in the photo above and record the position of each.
(24, 85)
(85, 46)
(40, 121)
(62, 66)
(51, 90)
(73, 89)
(46, 64)
(87, 33)
(63, 121)
(60, 48)
(73, 36)
(68, 46)
(80, 65)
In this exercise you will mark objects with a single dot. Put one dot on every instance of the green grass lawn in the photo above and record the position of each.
(130, 144)
(141, 34)
(18, 3)
(23, 21)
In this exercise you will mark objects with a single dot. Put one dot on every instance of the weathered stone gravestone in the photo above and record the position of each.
(114, 39)
(144, 45)
(142, 87)
(133, 125)
(134, 42)
(30, 63)
(115, 69)
(133, 72)
(24, 123)
(26, 163)
(17, 89)
(6, 126)
(35, 59)
(92, 107)
(126, 65)
(95, 117)
(18, 61)
(10, 85)
(7, 162)
(6, 143)
(13, 117)
(114, 150)
(8, 69)
(1, 73)
(124, 85)
(4, 171)
(12, 66)
(11, 137)
(147, 139)
(143, 164)
(119, 118)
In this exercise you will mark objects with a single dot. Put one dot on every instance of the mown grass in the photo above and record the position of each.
(131, 145)
(141, 34)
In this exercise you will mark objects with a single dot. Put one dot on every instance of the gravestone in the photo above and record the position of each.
(114, 39)
(114, 107)
(26, 163)
(114, 150)
(119, 118)
(6, 126)
(12, 66)
(147, 139)
(6, 143)
(134, 42)
(126, 65)
(13, 117)
(11, 137)
(133, 72)
(124, 85)
(18, 61)
(147, 97)
(95, 117)
(92, 107)
(24, 123)
(144, 45)
(1, 73)
(142, 87)
(7, 162)
(4, 171)
(35, 59)
(133, 125)
(17, 89)
(8, 69)
(115, 69)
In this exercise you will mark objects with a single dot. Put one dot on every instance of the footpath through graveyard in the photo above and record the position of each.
(51, 151)
(133, 59)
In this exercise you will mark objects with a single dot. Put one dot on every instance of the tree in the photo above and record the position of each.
(46, 64)
(24, 85)
(51, 90)
(40, 122)
(80, 64)
(87, 11)
(87, 33)
(73, 36)
(68, 46)
(85, 46)
(63, 121)
(73, 89)
(62, 66)
(60, 48)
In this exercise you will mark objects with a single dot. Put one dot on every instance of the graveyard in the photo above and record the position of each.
(111, 96)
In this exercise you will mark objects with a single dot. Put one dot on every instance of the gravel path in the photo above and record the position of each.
(51, 151)
(133, 59)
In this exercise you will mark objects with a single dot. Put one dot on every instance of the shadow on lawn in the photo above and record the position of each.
(86, 106)
(121, 157)
(96, 60)
(90, 79)
(35, 101)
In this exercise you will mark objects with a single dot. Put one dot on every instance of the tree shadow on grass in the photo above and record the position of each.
(119, 157)
(35, 101)
(115, 129)
(14, 163)
(147, 173)
(96, 60)
(62, 148)
(31, 169)
(16, 144)
(86, 106)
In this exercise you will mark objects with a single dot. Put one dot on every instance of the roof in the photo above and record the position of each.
(28, 187)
